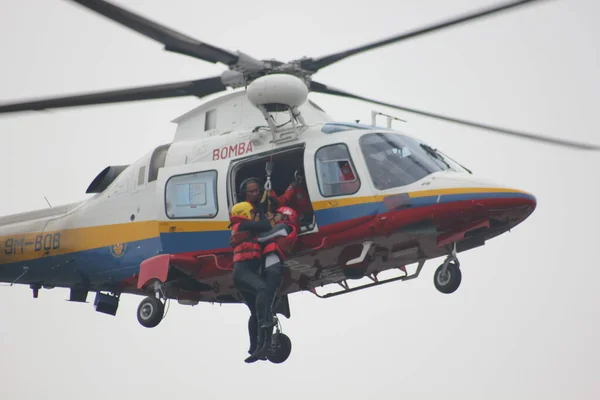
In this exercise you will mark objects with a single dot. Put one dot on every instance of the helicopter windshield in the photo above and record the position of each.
(396, 160)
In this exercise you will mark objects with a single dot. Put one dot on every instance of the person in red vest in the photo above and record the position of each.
(247, 263)
(296, 197)
(278, 244)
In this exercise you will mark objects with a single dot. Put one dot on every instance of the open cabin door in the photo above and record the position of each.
(284, 163)
(193, 212)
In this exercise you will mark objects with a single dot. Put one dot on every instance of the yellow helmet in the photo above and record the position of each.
(243, 209)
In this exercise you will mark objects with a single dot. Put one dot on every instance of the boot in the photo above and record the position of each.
(264, 346)
(259, 342)
(252, 333)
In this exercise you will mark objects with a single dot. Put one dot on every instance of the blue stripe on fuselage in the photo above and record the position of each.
(335, 215)
(183, 242)
(99, 265)
(448, 198)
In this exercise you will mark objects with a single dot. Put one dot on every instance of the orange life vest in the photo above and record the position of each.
(249, 249)
(283, 245)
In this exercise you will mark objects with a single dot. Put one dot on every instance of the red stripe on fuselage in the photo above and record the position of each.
(444, 217)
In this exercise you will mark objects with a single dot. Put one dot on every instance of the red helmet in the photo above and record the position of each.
(289, 213)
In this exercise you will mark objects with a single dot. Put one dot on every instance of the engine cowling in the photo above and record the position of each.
(105, 178)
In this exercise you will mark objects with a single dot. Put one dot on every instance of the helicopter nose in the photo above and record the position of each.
(502, 206)
(507, 206)
(453, 200)
(495, 198)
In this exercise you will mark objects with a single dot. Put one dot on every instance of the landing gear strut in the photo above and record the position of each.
(152, 309)
(447, 277)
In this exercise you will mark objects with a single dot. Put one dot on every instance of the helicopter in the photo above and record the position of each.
(382, 201)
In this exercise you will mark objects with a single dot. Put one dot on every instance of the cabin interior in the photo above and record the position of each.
(285, 163)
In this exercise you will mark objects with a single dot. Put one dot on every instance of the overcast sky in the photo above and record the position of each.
(524, 323)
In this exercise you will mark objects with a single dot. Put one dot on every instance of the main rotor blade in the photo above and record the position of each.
(321, 88)
(199, 88)
(316, 64)
(173, 41)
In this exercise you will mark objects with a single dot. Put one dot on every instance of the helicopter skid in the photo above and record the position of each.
(376, 282)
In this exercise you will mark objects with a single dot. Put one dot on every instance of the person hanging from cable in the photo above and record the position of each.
(259, 210)
(247, 265)
(278, 244)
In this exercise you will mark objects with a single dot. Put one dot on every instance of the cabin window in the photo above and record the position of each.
(192, 195)
(335, 172)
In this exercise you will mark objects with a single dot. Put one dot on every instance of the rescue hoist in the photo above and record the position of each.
(268, 187)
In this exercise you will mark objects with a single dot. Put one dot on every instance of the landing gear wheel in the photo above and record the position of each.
(281, 348)
(150, 312)
(449, 281)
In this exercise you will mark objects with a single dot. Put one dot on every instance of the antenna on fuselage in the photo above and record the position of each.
(49, 205)
(374, 115)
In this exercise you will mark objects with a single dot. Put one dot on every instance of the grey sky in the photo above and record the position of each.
(524, 322)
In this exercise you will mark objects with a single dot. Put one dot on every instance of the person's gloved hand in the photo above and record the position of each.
(298, 179)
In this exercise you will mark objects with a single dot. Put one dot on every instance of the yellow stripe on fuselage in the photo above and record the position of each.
(192, 226)
(351, 201)
(440, 192)
(24, 247)
(30, 246)
(348, 201)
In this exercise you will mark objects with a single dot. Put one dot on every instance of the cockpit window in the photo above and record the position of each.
(396, 160)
